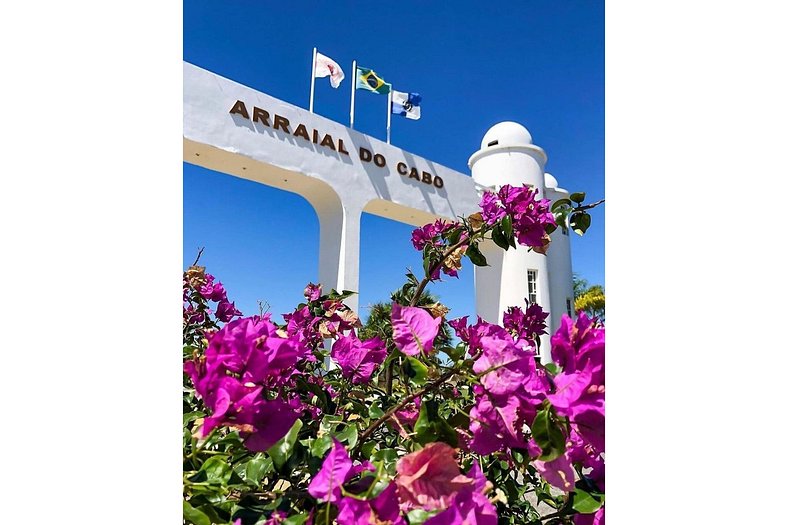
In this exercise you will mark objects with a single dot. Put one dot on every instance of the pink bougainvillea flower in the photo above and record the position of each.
(383, 509)
(244, 359)
(414, 329)
(336, 470)
(579, 347)
(480, 483)
(430, 478)
(261, 422)
(569, 388)
(578, 343)
(405, 417)
(272, 420)
(276, 518)
(358, 359)
(272, 360)
(410, 412)
(498, 427)
(491, 211)
(469, 508)
(503, 364)
(529, 215)
(226, 310)
(558, 472)
(429, 233)
(192, 316)
(227, 399)
(525, 325)
(312, 292)
(213, 291)
(252, 348)
(472, 335)
(590, 423)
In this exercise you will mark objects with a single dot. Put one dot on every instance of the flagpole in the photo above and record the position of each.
(388, 116)
(353, 95)
(312, 82)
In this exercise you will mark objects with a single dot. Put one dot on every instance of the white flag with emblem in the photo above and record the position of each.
(406, 104)
(325, 67)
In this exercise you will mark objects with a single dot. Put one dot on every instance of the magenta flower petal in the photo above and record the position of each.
(430, 478)
(469, 508)
(271, 421)
(312, 292)
(334, 472)
(590, 423)
(569, 388)
(383, 509)
(386, 506)
(354, 511)
(558, 473)
(414, 329)
(504, 366)
(358, 359)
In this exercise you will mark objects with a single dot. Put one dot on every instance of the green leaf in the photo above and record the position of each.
(283, 449)
(191, 416)
(368, 448)
(297, 519)
(348, 435)
(560, 218)
(552, 368)
(475, 255)
(419, 516)
(416, 371)
(426, 263)
(457, 353)
(388, 456)
(499, 238)
(585, 503)
(321, 445)
(344, 295)
(256, 468)
(454, 236)
(459, 420)
(506, 225)
(580, 222)
(548, 435)
(559, 204)
(430, 427)
(329, 423)
(192, 515)
(578, 196)
(375, 412)
(216, 470)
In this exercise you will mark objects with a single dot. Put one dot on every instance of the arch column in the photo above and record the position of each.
(339, 251)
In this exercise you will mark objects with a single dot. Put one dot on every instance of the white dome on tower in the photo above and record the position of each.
(550, 181)
(506, 134)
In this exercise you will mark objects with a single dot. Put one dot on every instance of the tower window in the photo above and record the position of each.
(568, 307)
(532, 286)
(492, 143)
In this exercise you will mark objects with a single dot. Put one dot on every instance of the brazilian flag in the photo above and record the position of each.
(369, 80)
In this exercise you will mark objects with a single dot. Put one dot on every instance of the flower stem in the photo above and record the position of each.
(456, 246)
(407, 399)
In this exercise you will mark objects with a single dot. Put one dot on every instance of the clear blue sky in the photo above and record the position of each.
(539, 63)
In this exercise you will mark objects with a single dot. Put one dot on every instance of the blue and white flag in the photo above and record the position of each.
(406, 104)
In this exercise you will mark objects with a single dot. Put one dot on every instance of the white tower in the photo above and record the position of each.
(507, 156)
(559, 263)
